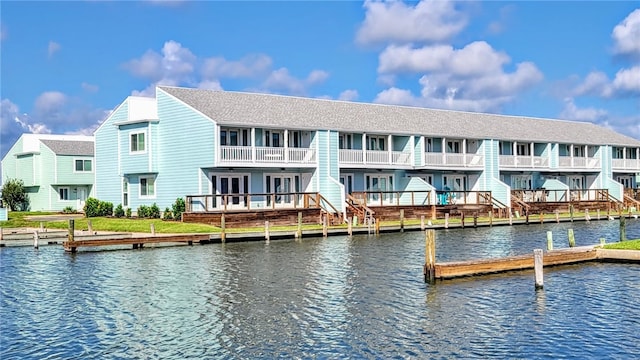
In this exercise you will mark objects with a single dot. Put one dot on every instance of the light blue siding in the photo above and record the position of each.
(108, 175)
(137, 162)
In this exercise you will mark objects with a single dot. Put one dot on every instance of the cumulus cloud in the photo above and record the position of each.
(49, 102)
(53, 48)
(626, 35)
(397, 22)
(247, 67)
(282, 81)
(626, 83)
(589, 114)
(89, 87)
(348, 95)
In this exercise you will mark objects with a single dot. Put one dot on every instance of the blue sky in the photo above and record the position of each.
(66, 64)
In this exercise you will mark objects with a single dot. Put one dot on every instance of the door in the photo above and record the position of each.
(284, 188)
(379, 188)
(229, 191)
(347, 181)
(626, 181)
(82, 197)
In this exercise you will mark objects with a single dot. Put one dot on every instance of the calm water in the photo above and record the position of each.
(360, 297)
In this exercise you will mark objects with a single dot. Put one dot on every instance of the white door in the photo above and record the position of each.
(347, 181)
(284, 187)
(82, 197)
(228, 191)
(378, 188)
(626, 181)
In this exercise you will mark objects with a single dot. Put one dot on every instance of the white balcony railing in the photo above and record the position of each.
(374, 157)
(523, 161)
(454, 160)
(265, 155)
(578, 162)
(626, 164)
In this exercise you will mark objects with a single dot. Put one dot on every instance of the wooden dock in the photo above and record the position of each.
(136, 242)
(450, 270)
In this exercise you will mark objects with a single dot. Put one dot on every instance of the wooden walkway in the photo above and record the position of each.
(137, 242)
(450, 270)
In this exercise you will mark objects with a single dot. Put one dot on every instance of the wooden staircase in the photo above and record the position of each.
(359, 208)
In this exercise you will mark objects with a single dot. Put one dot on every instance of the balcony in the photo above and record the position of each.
(578, 162)
(523, 162)
(260, 155)
(626, 164)
(454, 160)
(366, 158)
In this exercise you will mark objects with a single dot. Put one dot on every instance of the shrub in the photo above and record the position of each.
(143, 211)
(167, 214)
(119, 211)
(105, 208)
(154, 211)
(68, 210)
(14, 195)
(178, 208)
(128, 213)
(94, 207)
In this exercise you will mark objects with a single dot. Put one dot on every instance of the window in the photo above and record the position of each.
(273, 138)
(345, 141)
(453, 146)
(522, 149)
(578, 151)
(83, 165)
(234, 137)
(147, 187)
(64, 193)
(428, 145)
(377, 143)
(137, 142)
(125, 193)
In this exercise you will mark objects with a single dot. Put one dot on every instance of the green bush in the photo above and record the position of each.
(14, 195)
(167, 214)
(178, 208)
(68, 210)
(154, 211)
(128, 213)
(143, 211)
(94, 207)
(119, 211)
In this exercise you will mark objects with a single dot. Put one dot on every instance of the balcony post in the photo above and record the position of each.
(253, 145)
(364, 148)
(286, 145)
(389, 151)
(531, 154)
(464, 152)
(444, 149)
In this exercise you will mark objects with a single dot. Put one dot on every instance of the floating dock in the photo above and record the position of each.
(137, 242)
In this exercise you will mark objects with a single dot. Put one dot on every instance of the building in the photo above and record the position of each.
(232, 150)
(57, 170)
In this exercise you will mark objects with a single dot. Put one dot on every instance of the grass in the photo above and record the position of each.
(624, 245)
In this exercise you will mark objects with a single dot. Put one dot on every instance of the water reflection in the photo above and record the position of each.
(360, 297)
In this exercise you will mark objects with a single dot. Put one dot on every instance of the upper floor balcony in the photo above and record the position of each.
(523, 162)
(572, 162)
(365, 150)
(626, 165)
(454, 160)
(366, 158)
(265, 155)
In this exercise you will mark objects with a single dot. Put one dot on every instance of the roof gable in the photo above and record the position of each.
(68, 147)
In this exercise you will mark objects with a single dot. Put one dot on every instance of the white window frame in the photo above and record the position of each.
(60, 191)
(374, 141)
(523, 149)
(267, 137)
(518, 180)
(429, 145)
(75, 169)
(155, 187)
(456, 146)
(240, 140)
(146, 145)
(125, 192)
(345, 141)
(347, 181)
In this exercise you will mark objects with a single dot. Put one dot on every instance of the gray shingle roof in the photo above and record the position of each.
(67, 147)
(265, 110)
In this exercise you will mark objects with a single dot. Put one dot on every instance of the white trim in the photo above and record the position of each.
(133, 132)
(155, 187)
(63, 188)
(136, 121)
(147, 147)
(83, 160)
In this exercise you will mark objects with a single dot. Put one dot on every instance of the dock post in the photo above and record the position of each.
(527, 218)
(153, 229)
(446, 220)
(510, 218)
(491, 218)
(587, 217)
(433, 212)
(349, 227)
(571, 212)
(299, 231)
(537, 265)
(377, 225)
(223, 229)
(541, 217)
(0, 234)
(267, 235)
(90, 226)
(549, 240)
(325, 231)
(41, 226)
(430, 256)
(598, 214)
(623, 229)
(401, 221)
(35, 239)
(462, 219)
(475, 219)
(422, 223)
(71, 238)
(572, 238)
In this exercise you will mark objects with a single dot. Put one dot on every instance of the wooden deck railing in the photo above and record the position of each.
(256, 201)
(419, 198)
(543, 195)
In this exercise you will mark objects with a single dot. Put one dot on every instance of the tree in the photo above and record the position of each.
(14, 196)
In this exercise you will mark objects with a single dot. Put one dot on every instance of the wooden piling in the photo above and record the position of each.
(491, 218)
(267, 234)
(527, 218)
(422, 223)
(537, 266)
(377, 226)
(223, 229)
(541, 217)
(598, 214)
(446, 221)
(71, 235)
(433, 212)
(41, 226)
(35, 239)
(0, 234)
(299, 231)
(587, 217)
(571, 212)
(623, 229)
(325, 230)
(430, 257)
(557, 216)
(510, 218)
(89, 226)
(572, 239)
(153, 229)
(401, 221)
(475, 220)
(549, 240)
(462, 219)
(349, 227)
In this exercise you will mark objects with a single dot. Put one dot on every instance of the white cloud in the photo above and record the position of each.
(394, 21)
(13, 123)
(626, 35)
(210, 85)
(247, 67)
(53, 48)
(474, 59)
(572, 112)
(627, 81)
(349, 95)
(50, 101)
(281, 80)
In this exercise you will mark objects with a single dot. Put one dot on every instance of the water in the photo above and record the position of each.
(362, 297)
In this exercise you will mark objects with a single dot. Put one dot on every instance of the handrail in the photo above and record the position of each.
(632, 200)
(361, 208)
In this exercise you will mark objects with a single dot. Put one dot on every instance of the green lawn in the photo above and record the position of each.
(624, 245)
